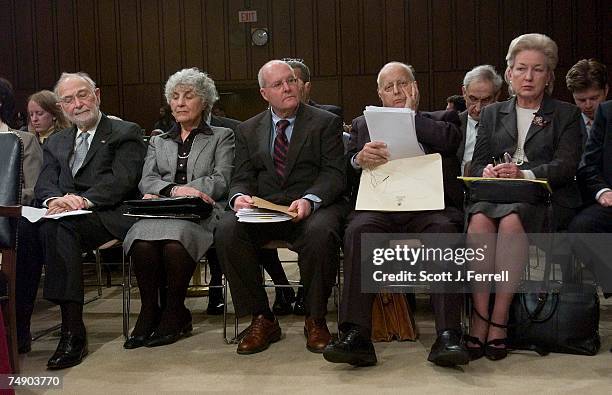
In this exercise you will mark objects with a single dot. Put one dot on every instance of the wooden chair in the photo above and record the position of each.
(11, 176)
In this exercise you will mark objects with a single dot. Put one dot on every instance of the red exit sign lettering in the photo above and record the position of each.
(247, 16)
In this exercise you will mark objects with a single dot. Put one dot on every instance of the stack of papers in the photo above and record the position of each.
(260, 215)
(395, 127)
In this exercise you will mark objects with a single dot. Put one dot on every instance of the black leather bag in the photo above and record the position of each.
(507, 191)
(549, 316)
(188, 207)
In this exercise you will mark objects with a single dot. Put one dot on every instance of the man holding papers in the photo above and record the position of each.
(291, 154)
(396, 88)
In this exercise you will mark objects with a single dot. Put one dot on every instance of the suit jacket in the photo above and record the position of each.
(109, 174)
(595, 171)
(32, 162)
(463, 118)
(328, 107)
(315, 161)
(224, 122)
(553, 147)
(438, 132)
(209, 166)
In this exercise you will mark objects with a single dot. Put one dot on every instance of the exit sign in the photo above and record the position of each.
(247, 16)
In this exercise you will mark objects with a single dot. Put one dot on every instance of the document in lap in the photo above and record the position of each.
(34, 214)
(395, 127)
(407, 184)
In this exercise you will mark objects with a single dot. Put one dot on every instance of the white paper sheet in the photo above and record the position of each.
(34, 214)
(395, 127)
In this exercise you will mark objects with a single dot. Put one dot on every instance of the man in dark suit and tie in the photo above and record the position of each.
(481, 87)
(95, 165)
(595, 178)
(396, 88)
(290, 154)
(587, 80)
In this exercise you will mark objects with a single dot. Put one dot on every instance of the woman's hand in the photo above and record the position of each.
(508, 170)
(150, 196)
(185, 190)
(489, 171)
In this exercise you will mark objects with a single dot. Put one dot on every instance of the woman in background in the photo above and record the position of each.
(45, 115)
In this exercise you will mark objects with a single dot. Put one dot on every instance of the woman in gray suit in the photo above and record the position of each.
(529, 136)
(191, 159)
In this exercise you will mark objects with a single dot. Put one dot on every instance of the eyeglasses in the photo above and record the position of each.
(400, 84)
(81, 95)
(279, 84)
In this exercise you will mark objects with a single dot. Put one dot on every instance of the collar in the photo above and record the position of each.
(276, 118)
(471, 121)
(3, 127)
(586, 119)
(175, 131)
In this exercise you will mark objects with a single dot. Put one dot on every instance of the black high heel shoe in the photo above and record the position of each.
(476, 352)
(496, 353)
(136, 341)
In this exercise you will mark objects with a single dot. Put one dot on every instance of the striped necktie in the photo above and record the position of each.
(281, 147)
(80, 152)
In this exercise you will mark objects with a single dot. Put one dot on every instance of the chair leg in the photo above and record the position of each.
(126, 289)
(99, 271)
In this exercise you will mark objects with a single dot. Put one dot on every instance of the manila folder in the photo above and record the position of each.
(408, 184)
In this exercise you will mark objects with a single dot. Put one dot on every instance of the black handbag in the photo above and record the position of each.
(507, 191)
(189, 207)
(549, 316)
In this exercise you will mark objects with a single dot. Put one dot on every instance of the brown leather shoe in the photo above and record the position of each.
(259, 335)
(317, 334)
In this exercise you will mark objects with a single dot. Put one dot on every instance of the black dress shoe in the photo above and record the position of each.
(158, 339)
(70, 351)
(353, 347)
(283, 301)
(299, 308)
(215, 302)
(135, 341)
(449, 350)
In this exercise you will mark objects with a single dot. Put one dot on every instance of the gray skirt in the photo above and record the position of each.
(195, 237)
(532, 216)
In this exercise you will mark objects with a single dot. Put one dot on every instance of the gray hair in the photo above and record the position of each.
(409, 70)
(484, 72)
(299, 64)
(536, 42)
(260, 78)
(80, 75)
(202, 85)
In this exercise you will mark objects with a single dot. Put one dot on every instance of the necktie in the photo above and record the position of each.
(281, 146)
(80, 152)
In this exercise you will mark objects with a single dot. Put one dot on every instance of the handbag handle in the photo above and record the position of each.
(542, 299)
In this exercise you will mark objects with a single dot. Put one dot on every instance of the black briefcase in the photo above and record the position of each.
(549, 316)
(189, 207)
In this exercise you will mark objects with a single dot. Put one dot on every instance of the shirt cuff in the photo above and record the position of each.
(231, 201)
(46, 201)
(316, 201)
(354, 162)
(528, 174)
(601, 192)
(89, 203)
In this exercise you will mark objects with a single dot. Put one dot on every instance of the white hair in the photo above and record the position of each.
(484, 72)
(409, 69)
(80, 75)
(202, 85)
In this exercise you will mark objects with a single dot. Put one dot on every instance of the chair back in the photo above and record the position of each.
(11, 176)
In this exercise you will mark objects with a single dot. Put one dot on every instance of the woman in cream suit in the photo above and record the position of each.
(191, 159)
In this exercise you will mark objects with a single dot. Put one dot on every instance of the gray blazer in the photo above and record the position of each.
(209, 166)
(32, 163)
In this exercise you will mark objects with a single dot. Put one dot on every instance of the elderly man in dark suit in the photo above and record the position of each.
(481, 87)
(95, 165)
(290, 154)
(396, 88)
(595, 177)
